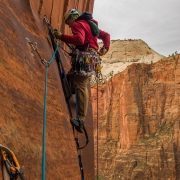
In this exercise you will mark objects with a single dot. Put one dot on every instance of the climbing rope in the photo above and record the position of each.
(66, 88)
(97, 129)
(44, 119)
(11, 164)
(46, 64)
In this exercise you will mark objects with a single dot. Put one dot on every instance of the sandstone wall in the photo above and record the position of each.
(22, 88)
(139, 111)
(123, 53)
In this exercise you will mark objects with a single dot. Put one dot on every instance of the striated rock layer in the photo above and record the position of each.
(22, 88)
(123, 53)
(139, 122)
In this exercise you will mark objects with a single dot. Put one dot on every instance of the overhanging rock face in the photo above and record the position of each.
(22, 87)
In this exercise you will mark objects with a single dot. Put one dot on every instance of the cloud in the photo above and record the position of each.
(155, 22)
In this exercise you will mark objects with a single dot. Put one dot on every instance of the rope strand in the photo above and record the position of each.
(97, 128)
(44, 119)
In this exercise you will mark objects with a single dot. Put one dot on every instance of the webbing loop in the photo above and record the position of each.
(44, 118)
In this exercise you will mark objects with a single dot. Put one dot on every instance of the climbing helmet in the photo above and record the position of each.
(74, 12)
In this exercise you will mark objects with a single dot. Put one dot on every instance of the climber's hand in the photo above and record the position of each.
(102, 51)
(57, 34)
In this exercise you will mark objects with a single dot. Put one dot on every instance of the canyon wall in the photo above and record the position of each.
(22, 90)
(139, 122)
(123, 53)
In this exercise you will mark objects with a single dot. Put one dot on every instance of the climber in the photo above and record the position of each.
(86, 51)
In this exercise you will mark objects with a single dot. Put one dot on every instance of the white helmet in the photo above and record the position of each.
(71, 12)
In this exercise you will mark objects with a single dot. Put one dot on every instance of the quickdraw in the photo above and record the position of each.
(11, 163)
(34, 47)
(45, 100)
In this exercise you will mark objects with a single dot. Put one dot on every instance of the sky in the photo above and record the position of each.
(156, 22)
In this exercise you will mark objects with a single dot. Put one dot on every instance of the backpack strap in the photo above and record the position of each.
(85, 16)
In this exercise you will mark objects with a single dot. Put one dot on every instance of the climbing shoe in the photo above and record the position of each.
(78, 124)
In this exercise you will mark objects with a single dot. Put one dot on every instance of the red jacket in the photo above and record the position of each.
(82, 35)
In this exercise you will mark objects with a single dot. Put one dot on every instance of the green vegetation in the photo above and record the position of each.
(100, 177)
(162, 133)
(140, 163)
(174, 54)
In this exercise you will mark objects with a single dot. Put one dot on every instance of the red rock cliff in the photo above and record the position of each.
(22, 88)
(139, 116)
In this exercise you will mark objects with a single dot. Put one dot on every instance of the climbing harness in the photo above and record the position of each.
(66, 90)
(11, 163)
(86, 63)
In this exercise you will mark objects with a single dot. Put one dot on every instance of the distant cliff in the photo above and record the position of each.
(139, 122)
(123, 53)
(22, 90)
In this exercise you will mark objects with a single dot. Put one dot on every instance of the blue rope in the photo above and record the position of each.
(44, 118)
